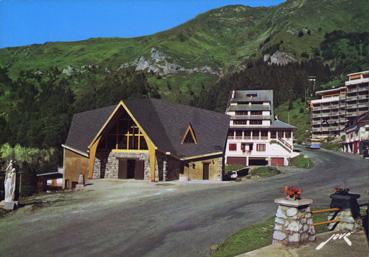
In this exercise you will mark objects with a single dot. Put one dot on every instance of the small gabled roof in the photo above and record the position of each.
(164, 122)
(281, 124)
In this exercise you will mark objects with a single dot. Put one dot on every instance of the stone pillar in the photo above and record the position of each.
(347, 222)
(247, 161)
(164, 170)
(293, 222)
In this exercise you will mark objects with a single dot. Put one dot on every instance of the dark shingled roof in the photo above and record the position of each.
(85, 126)
(164, 122)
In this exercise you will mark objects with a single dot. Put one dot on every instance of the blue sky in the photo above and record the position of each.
(24, 22)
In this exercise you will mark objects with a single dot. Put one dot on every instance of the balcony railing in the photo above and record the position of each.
(325, 115)
(351, 106)
(363, 89)
(351, 114)
(251, 117)
(362, 96)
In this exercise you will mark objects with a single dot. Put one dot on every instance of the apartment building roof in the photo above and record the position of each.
(357, 73)
(252, 95)
(328, 91)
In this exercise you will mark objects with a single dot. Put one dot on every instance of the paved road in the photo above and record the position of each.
(179, 224)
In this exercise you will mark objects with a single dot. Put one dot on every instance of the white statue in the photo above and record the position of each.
(9, 182)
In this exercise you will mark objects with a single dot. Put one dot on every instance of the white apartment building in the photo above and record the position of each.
(336, 107)
(255, 137)
(328, 114)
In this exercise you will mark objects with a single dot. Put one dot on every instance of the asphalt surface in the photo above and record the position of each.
(180, 223)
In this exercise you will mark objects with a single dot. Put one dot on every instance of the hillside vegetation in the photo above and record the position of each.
(197, 52)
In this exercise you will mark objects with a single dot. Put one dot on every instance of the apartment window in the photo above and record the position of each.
(238, 134)
(242, 113)
(230, 133)
(273, 134)
(288, 134)
(251, 95)
(256, 122)
(246, 147)
(240, 122)
(280, 133)
(255, 134)
(264, 134)
(232, 147)
(256, 113)
(247, 134)
(260, 147)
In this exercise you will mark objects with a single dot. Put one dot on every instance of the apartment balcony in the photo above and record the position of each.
(356, 81)
(333, 128)
(363, 89)
(326, 107)
(316, 122)
(352, 106)
(316, 115)
(362, 97)
(317, 109)
(334, 114)
(351, 98)
(352, 90)
(247, 107)
(325, 114)
(363, 105)
(251, 117)
(334, 120)
(351, 114)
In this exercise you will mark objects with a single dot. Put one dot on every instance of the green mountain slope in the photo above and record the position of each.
(216, 39)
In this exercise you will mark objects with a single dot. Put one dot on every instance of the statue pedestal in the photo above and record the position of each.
(9, 205)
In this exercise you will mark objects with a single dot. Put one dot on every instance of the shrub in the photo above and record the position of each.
(265, 172)
(301, 161)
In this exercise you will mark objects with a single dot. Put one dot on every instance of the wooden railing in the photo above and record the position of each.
(333, 218)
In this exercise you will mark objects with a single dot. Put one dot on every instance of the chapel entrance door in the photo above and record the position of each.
(205, 171)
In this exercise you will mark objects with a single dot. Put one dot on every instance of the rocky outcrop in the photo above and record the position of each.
(162, 64)
(279, 58)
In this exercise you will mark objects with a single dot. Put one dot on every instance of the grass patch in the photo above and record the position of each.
(247, 239)
(256, 236)
(230, 168)
(333, 146)
(265, 172)
(302, 161)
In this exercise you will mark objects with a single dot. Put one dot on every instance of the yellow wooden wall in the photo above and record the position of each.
(194, 170)
(74, 164)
